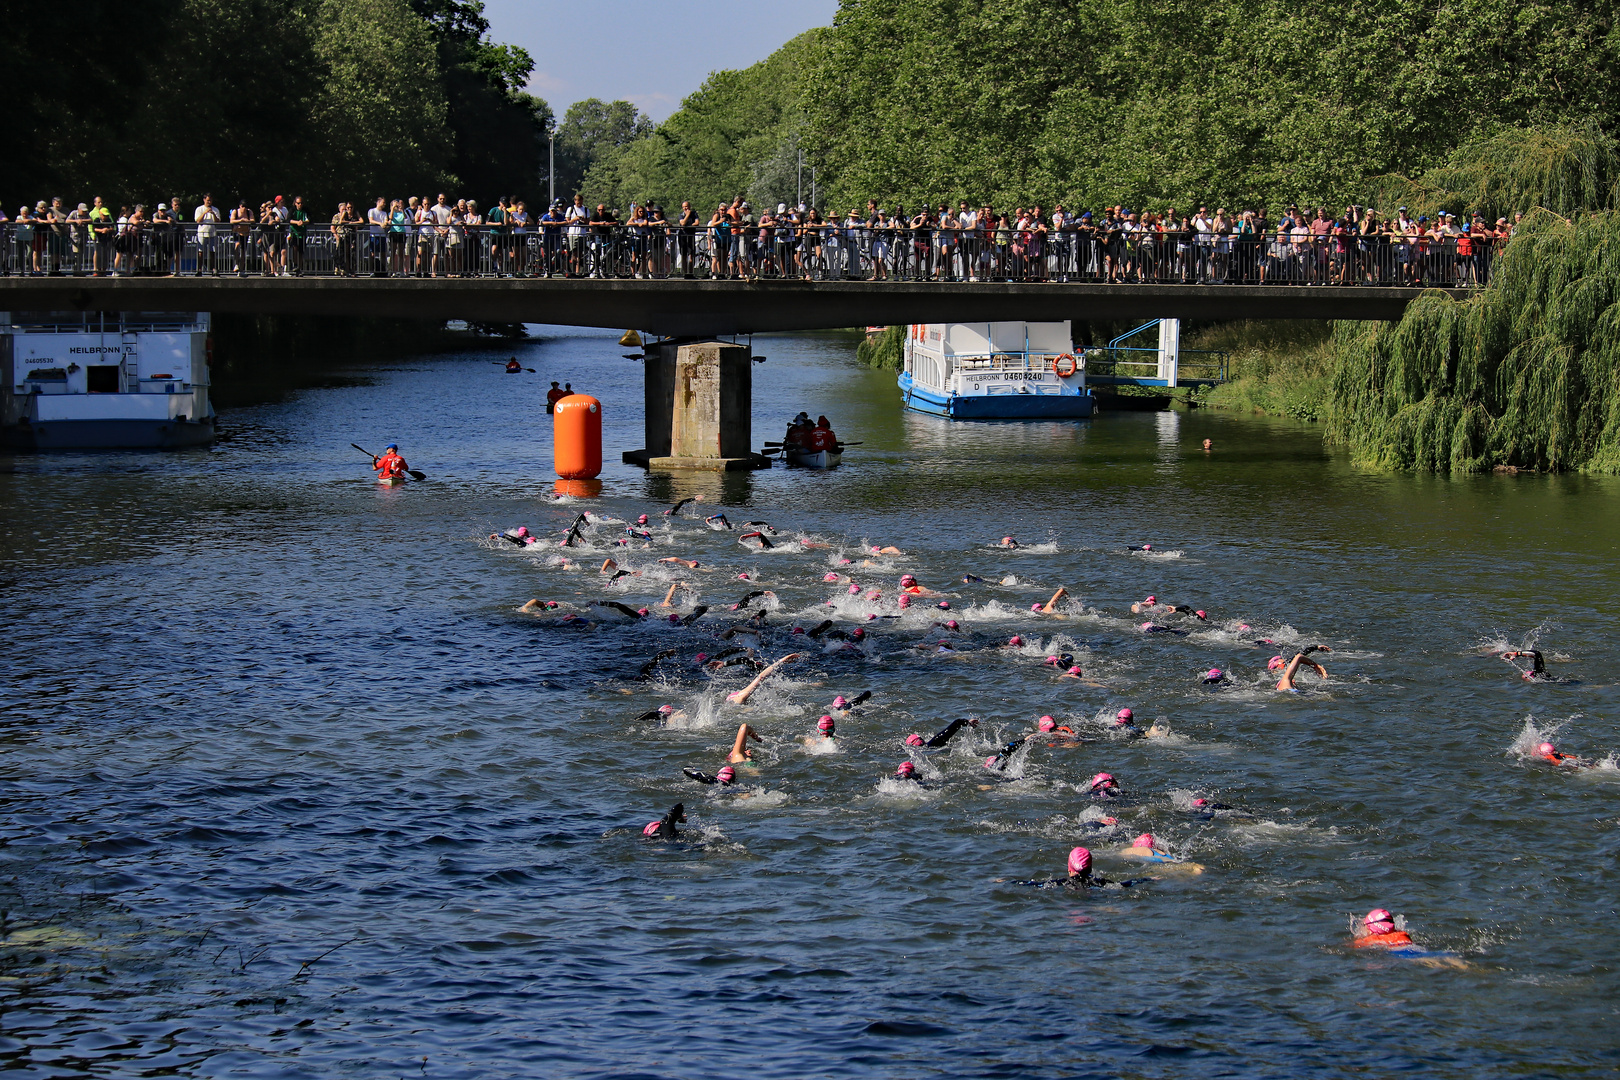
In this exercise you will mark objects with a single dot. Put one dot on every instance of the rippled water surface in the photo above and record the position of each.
(291, 788)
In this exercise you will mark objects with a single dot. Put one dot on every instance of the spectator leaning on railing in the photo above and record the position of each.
(413, 236)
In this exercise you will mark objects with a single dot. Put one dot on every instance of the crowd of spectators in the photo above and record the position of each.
(422, 237)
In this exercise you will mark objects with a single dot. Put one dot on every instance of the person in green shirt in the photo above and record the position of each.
(101, 231)
(297, 225)
(496, 220)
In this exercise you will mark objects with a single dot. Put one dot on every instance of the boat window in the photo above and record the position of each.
(102, 378)
(49, 374)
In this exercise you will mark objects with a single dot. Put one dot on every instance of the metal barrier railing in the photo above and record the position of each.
(819, 252)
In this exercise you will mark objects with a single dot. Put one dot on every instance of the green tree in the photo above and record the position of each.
(594, 131)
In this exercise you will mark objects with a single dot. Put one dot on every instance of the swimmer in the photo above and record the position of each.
(690, 564)
(740, 696)
(664, 828)
(1146, 848)
(1063, 733)
(1080, 875)
(1074, 672)
(1159, 628)
(519, 536)
(1186, 609)
(971, 579)
(1549, 753)
(636, 534)
(1286, 683)
(752, 596)
(1538, 664)
(1062, 660)
(909, 586)
(1014, 642)
(649, 666)
(669, 597)
(726, 775)
(537, 606)
(1144, 605)
(1215, 678)
(694, 615)
(1157, 730)
(739, 748)
(844, 704)
(1378, 930)
(672, 511)
(950, 624)
(819, 629)
(764, 542)
(907, 771)
(717, 522)
(1139, 547)
(1008, 542)
(1104, 786)
(623, 609)
(1051, 605)
(828, 727)
(887, 549)
(942, 736)
(655, 714)
(1125, 721)
(1209, 444)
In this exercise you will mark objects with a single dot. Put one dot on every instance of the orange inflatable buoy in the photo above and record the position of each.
(577, 437)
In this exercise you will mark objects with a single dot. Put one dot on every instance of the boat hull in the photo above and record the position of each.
(995, 407)
(390, 481)
(137, 434)
(818, 459)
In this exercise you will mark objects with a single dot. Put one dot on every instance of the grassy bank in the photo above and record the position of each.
(1283, 368)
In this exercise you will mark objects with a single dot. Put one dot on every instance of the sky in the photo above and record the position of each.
(651, 53)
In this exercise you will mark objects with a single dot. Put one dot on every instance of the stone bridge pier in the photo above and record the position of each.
(699, 408)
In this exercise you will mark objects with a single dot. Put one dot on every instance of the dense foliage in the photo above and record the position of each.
(329, 98)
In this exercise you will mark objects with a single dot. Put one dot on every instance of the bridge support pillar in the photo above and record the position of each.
(699, 408)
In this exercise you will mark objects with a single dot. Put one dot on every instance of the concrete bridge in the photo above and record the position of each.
(677, 307)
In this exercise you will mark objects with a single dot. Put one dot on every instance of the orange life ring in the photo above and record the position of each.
(1058, 362)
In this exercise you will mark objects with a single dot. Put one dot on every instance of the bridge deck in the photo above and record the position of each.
(691, 308)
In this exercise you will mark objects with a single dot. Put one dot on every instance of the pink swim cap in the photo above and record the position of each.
(1015, 640)
(953, 624)
(908, 579)
(642, 520)
(826, 723)
(876, 550)
(1213, 675)
(944, 605)
(858, 633)
(914, 739)
(1046, 723)
(674, 618)
(1007, 540)
(1145, 840)
(798, 629)
(743, 576)
(726, 775)
(905, 600)
(1379, 921)
(875, 594)
(990, 762)
(1546, 748)
(1050, 661)
(666, 709)
(1147, 547)
(1275, 662)
(840, 701)
(523, 530)
(1147, 626)
(1151, 600)
(651, 828)
(643, 611)
(844, 562)
(1200, 802)
(829, 576)
(1103, 779)
(1124, 716)
(1201, 614)
(1079, 860)
(854, 589)
(906, 769)
(700, 657)
(1034, 607)
(1076, 670)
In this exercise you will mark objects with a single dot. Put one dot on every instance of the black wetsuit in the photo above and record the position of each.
(666, 828)
(1005, 754)
(676, 508)
(1076, 881)
(648, 668)
(946, 733)
(864, 695)
(764, 541)
(697, 613)
(826, 625)
(751, 596)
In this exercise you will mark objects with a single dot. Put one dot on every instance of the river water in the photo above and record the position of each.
(291, 788)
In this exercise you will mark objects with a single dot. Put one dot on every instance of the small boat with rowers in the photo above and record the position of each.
(994, 371)
(811, 446)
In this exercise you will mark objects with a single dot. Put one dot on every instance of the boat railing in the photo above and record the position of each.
(1196, 365)
(1005, 361)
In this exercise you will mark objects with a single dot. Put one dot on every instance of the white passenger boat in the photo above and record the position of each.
(104, 381)
(994, 371)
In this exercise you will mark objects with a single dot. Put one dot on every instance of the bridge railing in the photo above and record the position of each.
(817, 253)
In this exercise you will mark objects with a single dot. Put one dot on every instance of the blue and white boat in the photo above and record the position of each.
(995, 371)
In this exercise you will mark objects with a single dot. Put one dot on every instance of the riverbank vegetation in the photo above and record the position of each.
(149, 99)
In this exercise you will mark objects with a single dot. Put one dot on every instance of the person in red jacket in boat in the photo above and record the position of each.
(798, 433)
(821, 436)
(390, 466)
